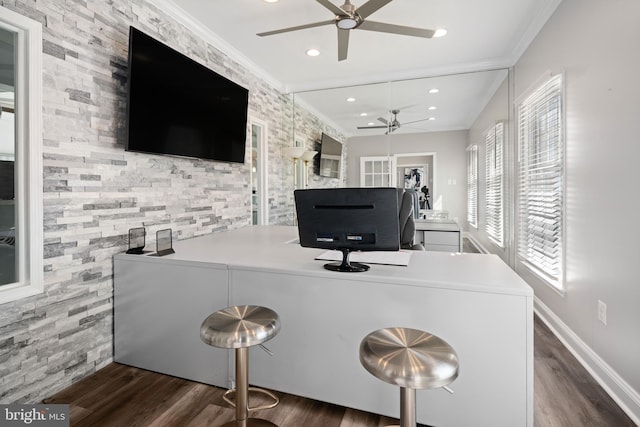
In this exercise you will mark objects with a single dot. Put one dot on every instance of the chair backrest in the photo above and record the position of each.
(406, 212)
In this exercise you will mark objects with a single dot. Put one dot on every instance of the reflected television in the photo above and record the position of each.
(330, 157)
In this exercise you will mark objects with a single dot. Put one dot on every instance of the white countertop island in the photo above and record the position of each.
(473, 301)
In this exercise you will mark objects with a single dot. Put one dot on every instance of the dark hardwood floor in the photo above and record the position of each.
(120, 395)
(565, 395)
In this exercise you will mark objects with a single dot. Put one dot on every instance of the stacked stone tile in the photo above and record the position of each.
(94, 191)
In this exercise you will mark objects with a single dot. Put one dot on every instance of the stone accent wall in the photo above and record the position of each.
(309, 129)
(94, 191)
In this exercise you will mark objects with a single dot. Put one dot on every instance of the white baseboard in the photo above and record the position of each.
(477, 244)
(620, 391)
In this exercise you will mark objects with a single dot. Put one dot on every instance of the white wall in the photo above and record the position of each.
(450, 162)
(596, 44)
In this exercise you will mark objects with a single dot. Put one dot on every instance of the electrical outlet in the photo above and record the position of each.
(602, 312)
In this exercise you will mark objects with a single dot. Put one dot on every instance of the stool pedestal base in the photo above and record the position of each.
(250, 422)
(407, 408)
(242, 395)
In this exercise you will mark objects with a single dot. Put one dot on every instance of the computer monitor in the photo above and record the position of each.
(348, 219)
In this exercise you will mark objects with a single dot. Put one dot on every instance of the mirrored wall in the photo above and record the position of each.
(410, 133)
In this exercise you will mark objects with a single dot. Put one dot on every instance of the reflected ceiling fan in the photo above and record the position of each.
(349, 17)
(393, 125)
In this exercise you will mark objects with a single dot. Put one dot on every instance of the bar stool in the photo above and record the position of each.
(411, 359)
(240, 327)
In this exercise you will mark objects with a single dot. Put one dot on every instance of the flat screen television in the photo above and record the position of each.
(179, 107)
(348, 219)
(330, 157)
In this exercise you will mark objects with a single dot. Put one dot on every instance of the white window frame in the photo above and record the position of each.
(494, 185)
(541, 157)
(28, 162)
(388, 174)
(472, 185)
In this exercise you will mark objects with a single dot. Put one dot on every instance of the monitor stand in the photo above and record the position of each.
(346, 266)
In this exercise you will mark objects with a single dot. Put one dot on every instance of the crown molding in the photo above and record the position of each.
(533, 29)
(202, 31)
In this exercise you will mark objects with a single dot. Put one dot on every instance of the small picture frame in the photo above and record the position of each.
(136, 240)
(164, 242)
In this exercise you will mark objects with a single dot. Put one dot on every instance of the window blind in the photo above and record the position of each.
(472, 185)
(541, 169)
(494, 225)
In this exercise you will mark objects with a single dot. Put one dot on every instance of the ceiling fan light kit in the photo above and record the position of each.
(349, 17)
(347, 23)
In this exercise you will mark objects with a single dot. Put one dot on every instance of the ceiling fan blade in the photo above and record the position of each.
(372, 127)
(396, 29)
(299, 27)
(415, 121)
(332, 7)
(343, 44)
(407, 107)
(383, 120)
(371, 6)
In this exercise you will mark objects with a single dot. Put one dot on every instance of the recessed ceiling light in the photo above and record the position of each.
(433, 107)
(434, 90)
(440, 32)
(431, 118)
(370, 124)
(271, 1)
(363, 114)
(313, 52)
(351, 99)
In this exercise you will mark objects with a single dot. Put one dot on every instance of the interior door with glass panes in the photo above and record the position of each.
(378, 171)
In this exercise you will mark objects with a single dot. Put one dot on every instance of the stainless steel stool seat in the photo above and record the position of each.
(241, 327)
(411, 359)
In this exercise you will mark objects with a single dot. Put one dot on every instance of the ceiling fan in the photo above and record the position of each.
(349, 17)
(393, 125)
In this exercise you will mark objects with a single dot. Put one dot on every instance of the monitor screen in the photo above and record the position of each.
(348, 219)
(179, 107)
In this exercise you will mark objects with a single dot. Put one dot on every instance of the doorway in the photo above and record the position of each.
(417, 171)
(259, 157)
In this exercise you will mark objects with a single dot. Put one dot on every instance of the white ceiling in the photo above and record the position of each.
(482, 35)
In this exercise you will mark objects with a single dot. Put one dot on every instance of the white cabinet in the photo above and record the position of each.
(159, 305)
(443, 236)
(473, 301)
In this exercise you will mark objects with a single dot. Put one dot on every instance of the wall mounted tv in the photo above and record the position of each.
(330, 157)
(179, 107)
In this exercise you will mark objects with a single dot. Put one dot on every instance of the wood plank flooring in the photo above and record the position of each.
(119, 395)
(565, 394)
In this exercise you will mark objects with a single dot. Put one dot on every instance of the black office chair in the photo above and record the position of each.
(407, 212)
